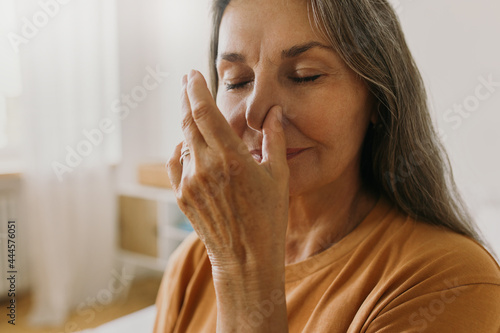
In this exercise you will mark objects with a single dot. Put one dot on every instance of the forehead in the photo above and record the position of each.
(265, 25)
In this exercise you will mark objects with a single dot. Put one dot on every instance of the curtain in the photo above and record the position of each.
(10, 77)
(69, 69)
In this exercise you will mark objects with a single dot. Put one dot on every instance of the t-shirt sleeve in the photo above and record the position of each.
(463, 309)
(181, 266)
(450, 284)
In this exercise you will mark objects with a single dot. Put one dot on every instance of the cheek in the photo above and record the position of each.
(233, 109)
(333, 120)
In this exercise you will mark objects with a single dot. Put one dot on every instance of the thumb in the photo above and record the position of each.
(274, 143)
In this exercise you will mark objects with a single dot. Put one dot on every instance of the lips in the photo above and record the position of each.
(290, 153)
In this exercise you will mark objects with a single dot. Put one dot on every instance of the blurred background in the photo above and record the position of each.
(90, 112)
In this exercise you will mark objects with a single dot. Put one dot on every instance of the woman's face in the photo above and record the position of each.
(270, 55)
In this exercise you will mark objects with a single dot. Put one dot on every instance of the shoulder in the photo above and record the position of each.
(433, 278)
(426, 258)
(438, 251)
(407, 244)
(415, 257)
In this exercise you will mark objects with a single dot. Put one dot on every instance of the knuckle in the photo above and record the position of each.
(237, 161)
(171, 163)
(198, 199)
(186, 123)
(204, 179)
(201, 109)
(235, 168)
(213, 189)
(181, 200)
(208, 166)
(222, 177)
(189, 195)
(210, 180)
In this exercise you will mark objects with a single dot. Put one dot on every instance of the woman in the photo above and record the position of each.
(316, 185)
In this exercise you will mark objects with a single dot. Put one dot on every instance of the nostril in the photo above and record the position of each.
(254, 121)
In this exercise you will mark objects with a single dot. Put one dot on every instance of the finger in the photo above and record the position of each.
(211, 123)
(274, 143)
(185, 155)
(174, 167)
(194, 139)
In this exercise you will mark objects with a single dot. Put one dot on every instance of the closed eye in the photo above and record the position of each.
(234, 86)
(305, 79)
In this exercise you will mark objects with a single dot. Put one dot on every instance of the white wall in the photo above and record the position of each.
(455, 42)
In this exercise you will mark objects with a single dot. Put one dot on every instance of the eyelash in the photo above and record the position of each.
(299, 80)
(306, 79)
(234, 86)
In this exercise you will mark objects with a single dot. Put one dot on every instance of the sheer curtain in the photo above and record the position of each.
(69, 65)
(10, 82)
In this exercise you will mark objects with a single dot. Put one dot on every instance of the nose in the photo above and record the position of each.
(263, 97)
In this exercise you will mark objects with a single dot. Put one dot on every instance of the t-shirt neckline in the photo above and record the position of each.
(299, 270)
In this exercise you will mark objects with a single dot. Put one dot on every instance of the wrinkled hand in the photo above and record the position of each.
(237, 206)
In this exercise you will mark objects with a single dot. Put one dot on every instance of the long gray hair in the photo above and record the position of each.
(403, 158)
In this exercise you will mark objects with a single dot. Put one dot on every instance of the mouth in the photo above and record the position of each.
(290, 153)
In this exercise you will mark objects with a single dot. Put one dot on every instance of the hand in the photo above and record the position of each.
(237, 206)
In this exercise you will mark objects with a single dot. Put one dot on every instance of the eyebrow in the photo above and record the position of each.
(292, 52)
(297, 50)
(231, 57)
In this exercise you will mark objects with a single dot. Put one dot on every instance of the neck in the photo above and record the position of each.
(320, 219)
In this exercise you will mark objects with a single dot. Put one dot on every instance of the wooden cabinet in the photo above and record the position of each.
(151, 225)
(138, 226)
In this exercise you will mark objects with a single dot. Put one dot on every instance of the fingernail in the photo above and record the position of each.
(192, 73)
(184, 80)
(276, 124)
(279, 113)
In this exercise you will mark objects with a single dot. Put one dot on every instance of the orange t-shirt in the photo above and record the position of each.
(391, 274)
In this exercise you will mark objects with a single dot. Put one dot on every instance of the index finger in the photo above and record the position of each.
(211, 123)
(194, 139)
